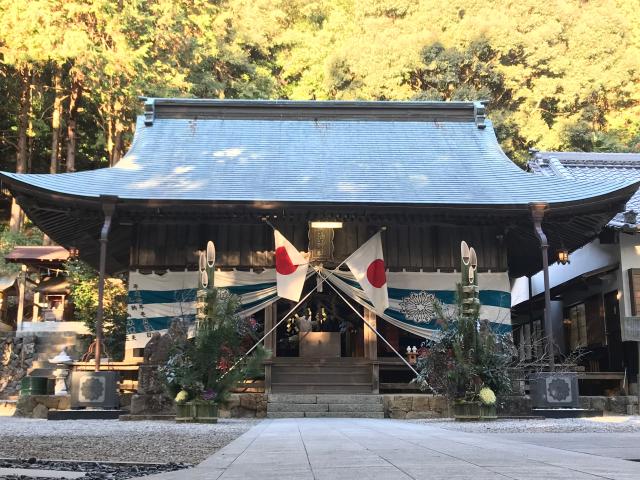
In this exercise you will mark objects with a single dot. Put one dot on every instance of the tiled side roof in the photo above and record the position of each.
(52, 253)
(607, 167)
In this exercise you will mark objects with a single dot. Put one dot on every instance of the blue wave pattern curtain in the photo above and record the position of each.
(155, 300)
(495, 297)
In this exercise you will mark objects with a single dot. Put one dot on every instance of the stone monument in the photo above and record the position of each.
(152, 398)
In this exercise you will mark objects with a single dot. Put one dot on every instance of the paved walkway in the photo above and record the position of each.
(359, 449)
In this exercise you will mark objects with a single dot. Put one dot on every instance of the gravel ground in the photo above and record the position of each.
(113, 440)
(621, 424)
(91, 470)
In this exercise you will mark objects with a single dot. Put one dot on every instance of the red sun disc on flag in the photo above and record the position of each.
(375, 273)
(284, 265)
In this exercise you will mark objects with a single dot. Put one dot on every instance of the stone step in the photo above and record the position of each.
(325, 414)
(350, 399)
(323, 407)
(324, 398)
(285, 414)
(344, 414)
(359, 407)
(297, 407)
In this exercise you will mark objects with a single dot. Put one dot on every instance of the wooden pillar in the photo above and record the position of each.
(36, 304)
(371, 349)
(22, 284)
(537, 213)
(270, 318)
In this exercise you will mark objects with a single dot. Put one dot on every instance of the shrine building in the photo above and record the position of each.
(328, 175)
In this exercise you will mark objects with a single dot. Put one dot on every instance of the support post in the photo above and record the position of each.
(269, 342)
(371, 349)
(537, 213)
(108, 207)
(35, 317)
(22, 285)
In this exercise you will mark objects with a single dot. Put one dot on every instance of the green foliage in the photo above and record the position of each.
(557, 74)
(202, 366)
(470, 357)
(84, 294)
(9, 240)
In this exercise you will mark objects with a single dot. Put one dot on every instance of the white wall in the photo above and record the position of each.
(629, 258)
(586, 259)
(35, 327)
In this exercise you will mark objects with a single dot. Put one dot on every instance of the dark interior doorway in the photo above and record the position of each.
(614, 338)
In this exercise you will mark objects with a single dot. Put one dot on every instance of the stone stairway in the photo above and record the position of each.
(48, 345)
(287, 405)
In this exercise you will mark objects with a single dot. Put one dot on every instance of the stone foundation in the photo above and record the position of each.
(417, 406)
(621, 405)
(37, 406)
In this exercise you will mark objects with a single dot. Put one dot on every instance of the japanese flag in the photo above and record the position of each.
(367, 265)
(291, 269)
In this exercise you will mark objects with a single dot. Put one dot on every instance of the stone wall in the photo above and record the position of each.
(245, 405)
(16, 357)
(415, 406)
(623, 405)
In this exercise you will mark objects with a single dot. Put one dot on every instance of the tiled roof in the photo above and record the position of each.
(52, 253)
(419, 153)
(604, 167)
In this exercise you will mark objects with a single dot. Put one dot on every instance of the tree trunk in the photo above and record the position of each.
(55, 121)
(17, 217)
(116, 151)
(74, 100)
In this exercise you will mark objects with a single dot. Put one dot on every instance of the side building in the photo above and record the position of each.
(596, 292)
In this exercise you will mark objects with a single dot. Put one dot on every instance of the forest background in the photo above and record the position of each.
(558, 74)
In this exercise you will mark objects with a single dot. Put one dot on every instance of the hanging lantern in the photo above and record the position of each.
(563, 256)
